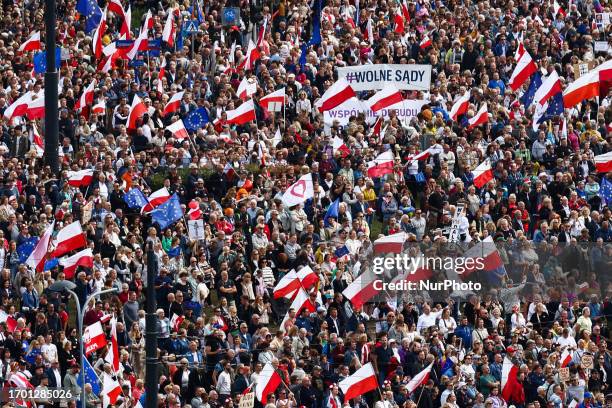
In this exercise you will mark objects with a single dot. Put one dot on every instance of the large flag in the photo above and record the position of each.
(525, 67)
(98, 36)
(299, 191)
(80, 178)
(381, 165)
(168, 213)
(361, 289)
(111, 389)
(287, 285)
(91, 377)
(390, 243)
(84, 258)
(335, 95)
(196, 119)
(245, 113)
(488, 253)
(19, 380)
(137, 109)
(388, 96)
(112, 355)
(534, 85)
(26, 248)
(460, 107)
(332, 211)
(594, 83)
(419, 379)
(155, 199)
(19, 107)
(174, 103)
(362, 381)
(178, 130)
(87, 96)
(69, 238)
(92, 13)
(246, 88)
(273, 102)
(508, 381)
(482, 174)
(93, 338)
(37, 258)
(268, 381)
(135, 198)
(338, 145)
(32, 43)
(603, 162)
(481, 117)
(550, 87)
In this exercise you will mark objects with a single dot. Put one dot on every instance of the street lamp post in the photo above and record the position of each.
(51, 92)
(68, 287)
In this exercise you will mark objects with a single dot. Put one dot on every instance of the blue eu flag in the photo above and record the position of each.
(168, 213)
(92, 13)
(40, 61)
(90, 377)
(332, 211)
(135, 198)
(536, 81)
(174, 252)
(25, 249)
(340, 252)
(51, 263)
(605, 191)
(196, 119)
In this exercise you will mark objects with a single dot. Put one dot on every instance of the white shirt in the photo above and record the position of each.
(224, 383)
(427, 320)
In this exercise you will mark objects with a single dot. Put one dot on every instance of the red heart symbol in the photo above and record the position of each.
(299, 189)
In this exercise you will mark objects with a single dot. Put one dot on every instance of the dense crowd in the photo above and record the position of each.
(219, 324)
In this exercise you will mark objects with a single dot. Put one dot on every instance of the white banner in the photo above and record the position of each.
(405, 111)
(372, 77)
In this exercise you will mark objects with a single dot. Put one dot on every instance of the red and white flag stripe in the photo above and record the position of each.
(425, 42)
(246, 88)
(37, 258)
(36, 108)
(99, 108)
(243, 114)
(168, 33)
(156, 199)
(382, 164)
(86, 97)
(483, 174)
(362, 381)
(69, 238)
(98, 35)
(80, 178)
(112, 355)
(111, 390)
(508, 381)
(33, 43)
(20, 380)
(137, 109)
(174, 104)
(19, 107)
(273, 102)
(460, 107)
(525, 67)
(93, 338)
(481, 117)
(268, 381)
(419, 379)
(593, 83)
(603, 162)
(390, 243)
(388, 96)
(83, 258)
(566, 358)
(178, 130)
(361, 289)
(549, 88)
(335, 95)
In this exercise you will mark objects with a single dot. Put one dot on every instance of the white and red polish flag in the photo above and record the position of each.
(262, 32)
(140, 44)
(508, 380)
(267, 382)
(195, 213)
(549, 88)
(377, 127)
(68, 239)
(176, 320)
(160, 76)
(390, 243)
(603, 162)
(425, 42)
(362, 381)
(245, 113)
(525, 67)
(594, 83)
(112, 355)
(460, 107)
(335, 95)
(481, 117)
(98, 35)
(178, 130)
(137, 109)
(425, 154)
(116, 7)
(37, 258)
(126, 27)
(37, 141)
(369, 33)
(33, 43)
(384, 98)
(338, 145)
(83, 258)
(168, 33)
(19, 380)
(381, 165)
(566, 358)
(398, 19)
(156, 199)
(405, 11)
(487, 251)
(36, 108)
(482, 174)
(419, 379)
(86, 97)
(251, 56)
(111, 390)
(19, 107)
(361, 289)
(174, 103)
(246, 89)
(99, 108)
(558, 9)
(299, 191)
(93, 338)
(80, 178)
(273, 102)
(520, 50)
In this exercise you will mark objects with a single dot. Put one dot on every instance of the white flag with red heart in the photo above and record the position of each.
(299, 191)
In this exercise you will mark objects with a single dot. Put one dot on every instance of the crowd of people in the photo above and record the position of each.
(219, 323)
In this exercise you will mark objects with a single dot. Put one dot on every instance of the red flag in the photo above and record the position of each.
(362, 381)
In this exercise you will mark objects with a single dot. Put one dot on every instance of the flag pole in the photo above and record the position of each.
(420, 395)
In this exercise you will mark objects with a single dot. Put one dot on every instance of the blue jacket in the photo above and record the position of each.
(30, 299)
